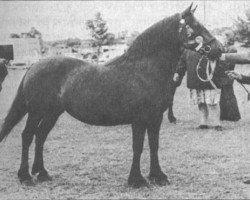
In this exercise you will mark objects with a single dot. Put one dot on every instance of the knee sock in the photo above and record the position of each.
(214, 114)
(203, 114)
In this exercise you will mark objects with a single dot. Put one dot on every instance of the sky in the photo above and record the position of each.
(66, 19)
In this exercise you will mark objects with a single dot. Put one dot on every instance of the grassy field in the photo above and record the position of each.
(88, 162)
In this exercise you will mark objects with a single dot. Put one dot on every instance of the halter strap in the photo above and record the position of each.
(209, 75)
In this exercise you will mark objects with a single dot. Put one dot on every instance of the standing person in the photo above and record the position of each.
(228, 102)
(205, 94)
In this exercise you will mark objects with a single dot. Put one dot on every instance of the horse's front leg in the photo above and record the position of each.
(135, 178)
(155, 175)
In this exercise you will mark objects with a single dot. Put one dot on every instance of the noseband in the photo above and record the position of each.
(204, 48)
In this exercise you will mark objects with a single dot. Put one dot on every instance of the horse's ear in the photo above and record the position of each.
(187, 12)
(193, 10)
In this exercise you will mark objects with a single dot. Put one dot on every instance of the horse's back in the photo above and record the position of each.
(43, 81)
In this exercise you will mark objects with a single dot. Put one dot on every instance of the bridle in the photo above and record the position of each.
(210, 68)
(202, 48)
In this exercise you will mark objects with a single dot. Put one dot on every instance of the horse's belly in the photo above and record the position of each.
(98, 112)
(101, 119)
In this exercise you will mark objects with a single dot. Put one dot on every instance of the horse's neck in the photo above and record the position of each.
(162, 35)
(157, 50)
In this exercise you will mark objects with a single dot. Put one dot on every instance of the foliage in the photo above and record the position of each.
(73, 42)
(14, 35)
(123, 34)
(221, 30)
(243, 29)
(110, 39)
(132, 37)
(34, 33)
(99, 32)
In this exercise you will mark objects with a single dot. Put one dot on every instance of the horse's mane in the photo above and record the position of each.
(160, 35)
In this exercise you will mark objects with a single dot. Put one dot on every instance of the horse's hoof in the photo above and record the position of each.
(36, 168)
(137, 182)
(160, 179)
(42, 177)
(172, 120)
(28, 182)
(25, 178)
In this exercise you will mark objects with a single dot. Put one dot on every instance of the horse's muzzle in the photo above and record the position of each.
(204, 50)
(200, 48)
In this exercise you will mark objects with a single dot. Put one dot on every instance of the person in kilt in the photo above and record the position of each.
(205, 94)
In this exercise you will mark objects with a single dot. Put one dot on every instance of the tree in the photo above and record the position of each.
(243, 29)
(110, 39)
(34, 33)
(98, 30)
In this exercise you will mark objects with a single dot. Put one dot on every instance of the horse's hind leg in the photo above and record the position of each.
(155, 175)
(171, 116)
(135, 178)
(27, 137)
(44, 128)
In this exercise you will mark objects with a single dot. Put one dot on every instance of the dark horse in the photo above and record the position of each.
(3, 71)
(134, 88)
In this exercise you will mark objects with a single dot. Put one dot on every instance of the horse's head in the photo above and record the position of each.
(3, 71)
(194, 36)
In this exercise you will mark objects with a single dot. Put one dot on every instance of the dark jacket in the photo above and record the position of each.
(188, 63)
(225, 66)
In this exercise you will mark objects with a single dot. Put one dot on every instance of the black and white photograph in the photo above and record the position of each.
(125, 99)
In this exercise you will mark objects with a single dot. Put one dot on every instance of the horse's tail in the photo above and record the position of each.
(17, 111)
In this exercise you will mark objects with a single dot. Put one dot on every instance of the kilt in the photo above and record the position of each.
(210, 97)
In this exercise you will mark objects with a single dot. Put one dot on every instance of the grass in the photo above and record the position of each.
(90, 162)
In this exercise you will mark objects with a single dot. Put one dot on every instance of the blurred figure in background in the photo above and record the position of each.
(229, 109)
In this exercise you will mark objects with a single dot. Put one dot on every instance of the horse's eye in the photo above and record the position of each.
(195, 24)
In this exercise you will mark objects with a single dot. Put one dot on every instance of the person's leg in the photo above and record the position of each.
(214, 113)
(213, 105)
(203, 115)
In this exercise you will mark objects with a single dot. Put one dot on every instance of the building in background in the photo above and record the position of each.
(25, 50)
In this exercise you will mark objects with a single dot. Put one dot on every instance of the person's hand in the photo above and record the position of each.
(233, 75)
(176, 77)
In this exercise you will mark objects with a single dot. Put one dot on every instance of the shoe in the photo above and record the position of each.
(218, 128)
(203, 127)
